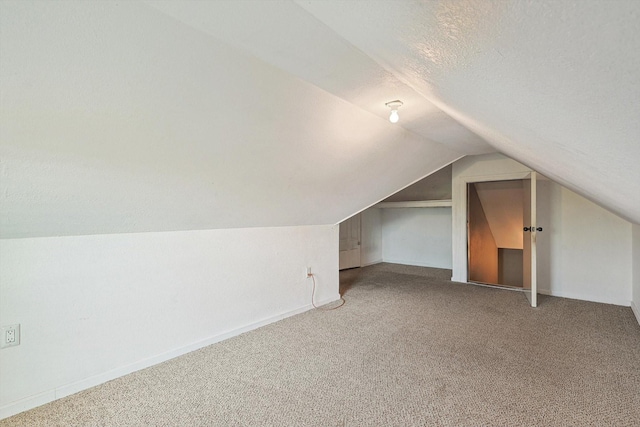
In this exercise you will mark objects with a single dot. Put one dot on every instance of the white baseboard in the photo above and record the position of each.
(636, 311)
(27, 403)
(582, 297)
(39, 399)
(417, 264)
(366, 264)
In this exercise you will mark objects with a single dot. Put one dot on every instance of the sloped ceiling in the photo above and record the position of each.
(118, 118)
(553, 84)
(151, 116)
(436, 186)
(285, 35)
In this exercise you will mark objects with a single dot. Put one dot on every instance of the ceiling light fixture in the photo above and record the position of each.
(394, 105)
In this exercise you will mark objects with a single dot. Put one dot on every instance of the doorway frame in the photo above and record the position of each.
(477, 282)
(352, 217)
(460, 244)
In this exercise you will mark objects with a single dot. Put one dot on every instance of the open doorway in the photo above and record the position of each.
(350, 243)
(495, 217)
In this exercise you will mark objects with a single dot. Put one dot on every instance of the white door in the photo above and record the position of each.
(529, 279)
(350, 243)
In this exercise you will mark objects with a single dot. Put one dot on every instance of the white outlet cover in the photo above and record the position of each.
(5, 332)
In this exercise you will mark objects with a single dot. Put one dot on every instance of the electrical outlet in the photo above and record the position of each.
(308, 271)
(10, 336)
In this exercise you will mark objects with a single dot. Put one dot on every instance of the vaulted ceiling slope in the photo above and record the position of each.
(285, 35)
(553, 84)
(118, 118)
(176, 115)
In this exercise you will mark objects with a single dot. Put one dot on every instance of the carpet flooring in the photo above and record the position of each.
(409, 348)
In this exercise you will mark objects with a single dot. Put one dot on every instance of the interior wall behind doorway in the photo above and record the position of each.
(510, 267)
(495, 222)
(483, 251)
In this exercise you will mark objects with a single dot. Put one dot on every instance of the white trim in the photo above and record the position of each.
(27, 403)
(636, 311)
(569, 295)
(415, 204)
(378, 261)
(573, 295)
(414, 263)
(39, 399)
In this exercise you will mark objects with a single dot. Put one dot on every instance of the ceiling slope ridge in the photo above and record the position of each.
(474, 143)
(285, 35)
(442, 107)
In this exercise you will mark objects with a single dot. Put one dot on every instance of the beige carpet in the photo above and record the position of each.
(409, 348)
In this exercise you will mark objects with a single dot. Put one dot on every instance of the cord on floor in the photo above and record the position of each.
(313, 293)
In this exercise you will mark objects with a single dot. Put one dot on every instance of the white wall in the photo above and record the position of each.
(417, 236)
(584, 251)
(371, 237)
(635, 302)
(93, 308)
(414, 236)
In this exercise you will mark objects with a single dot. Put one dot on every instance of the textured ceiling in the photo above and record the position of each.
(552, 84)
(151, 116)
(285, 35)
